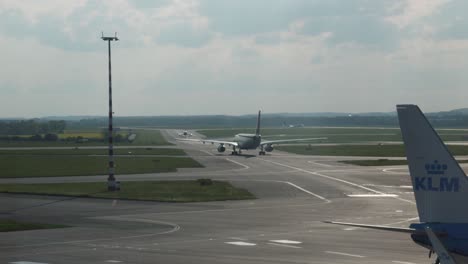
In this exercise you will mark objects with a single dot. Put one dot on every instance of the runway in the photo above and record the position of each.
(284, 225)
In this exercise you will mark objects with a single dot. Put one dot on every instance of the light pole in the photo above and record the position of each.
(112, 185)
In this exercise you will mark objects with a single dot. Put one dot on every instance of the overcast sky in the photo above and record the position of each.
(232, 57)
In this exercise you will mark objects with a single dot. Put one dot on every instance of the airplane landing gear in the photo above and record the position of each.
(234, 152)
(262, 152)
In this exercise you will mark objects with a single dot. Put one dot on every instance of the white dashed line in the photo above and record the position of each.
(286, 241)
(282, 245)
(402, 262)
(241, 243)
(26, 262)
(237, 238)
(372, 195)
(344, 254)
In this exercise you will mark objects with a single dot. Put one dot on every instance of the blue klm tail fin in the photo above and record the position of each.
(440, 185)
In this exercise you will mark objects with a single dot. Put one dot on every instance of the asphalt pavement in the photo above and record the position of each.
(284, 225)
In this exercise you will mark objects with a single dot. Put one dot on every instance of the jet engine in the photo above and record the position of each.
(268, 148)
(221, 148)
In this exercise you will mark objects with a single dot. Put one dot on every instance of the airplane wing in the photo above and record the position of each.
(270, 142)
(228, 143)
(438, 247)
(378, 227)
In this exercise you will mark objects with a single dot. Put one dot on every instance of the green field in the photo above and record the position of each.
(81, 151)
(8, 225)
(333, 135)
(143, 138)
(51, 166)
(360, 150)
(84, 134)
(165, 191)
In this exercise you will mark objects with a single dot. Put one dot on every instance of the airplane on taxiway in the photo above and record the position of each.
(248, 141)
(440, 189)
(185, 133)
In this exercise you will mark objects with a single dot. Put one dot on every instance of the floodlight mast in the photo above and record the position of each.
(112, 185)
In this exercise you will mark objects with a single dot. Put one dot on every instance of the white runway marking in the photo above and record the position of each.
(207, 152)
(372, 195)
(282, 245)
(318, 163)
(309, 192)
(335, 179)
(293, 185)
(238, 163)
(388, 186)
(344, 254)
(113, 261)
(391, 171)
(174, 228)
(286, 241)
(325, 176)
(237, 238)
(241, 243)
(402, 262)
(26, 262)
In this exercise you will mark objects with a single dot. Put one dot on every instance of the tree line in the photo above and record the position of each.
(31, 127)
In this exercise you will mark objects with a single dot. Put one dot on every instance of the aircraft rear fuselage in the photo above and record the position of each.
(248, 141)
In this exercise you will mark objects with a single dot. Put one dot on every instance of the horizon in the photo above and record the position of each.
(306, 114)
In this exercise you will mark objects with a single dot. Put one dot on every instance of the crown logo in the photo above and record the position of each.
(436, 168)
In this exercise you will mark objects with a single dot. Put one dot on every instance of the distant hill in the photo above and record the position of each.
(457, 118)
(71, 118)
(461, 111)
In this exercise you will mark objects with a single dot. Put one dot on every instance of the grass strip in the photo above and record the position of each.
(333, 135)
(80, 151)
(9, 225)
(163, 191)
(53, 166)
(360, 150)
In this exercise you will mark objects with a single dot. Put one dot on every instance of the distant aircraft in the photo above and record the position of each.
(440, 189)
(248, 141)
(185, 133)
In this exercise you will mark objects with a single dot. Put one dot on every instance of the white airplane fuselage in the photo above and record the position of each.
(248, 141)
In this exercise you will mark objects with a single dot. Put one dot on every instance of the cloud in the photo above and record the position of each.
(200, 57)
(36, 10)
(414, 10)
(77, 25)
